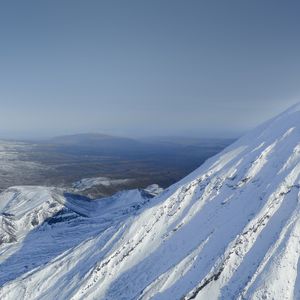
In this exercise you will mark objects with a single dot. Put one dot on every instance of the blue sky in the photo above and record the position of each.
(135, 68)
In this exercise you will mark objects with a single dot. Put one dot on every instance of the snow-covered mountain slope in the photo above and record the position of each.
(229, 230)
(37, 224)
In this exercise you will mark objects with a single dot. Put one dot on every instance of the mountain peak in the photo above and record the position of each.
(293, 108)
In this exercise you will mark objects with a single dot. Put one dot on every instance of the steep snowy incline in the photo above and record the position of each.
(229, 230)
(37, 224)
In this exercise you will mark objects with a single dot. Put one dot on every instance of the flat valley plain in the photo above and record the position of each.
(64, 160)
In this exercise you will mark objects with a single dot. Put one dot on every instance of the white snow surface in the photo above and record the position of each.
(229, 230)
(86, 183)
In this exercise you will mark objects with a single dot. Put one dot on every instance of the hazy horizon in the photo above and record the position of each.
(137, 68)
(187, 135)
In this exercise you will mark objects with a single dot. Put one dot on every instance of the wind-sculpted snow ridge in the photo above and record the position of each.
(229, 230)
(40, 225)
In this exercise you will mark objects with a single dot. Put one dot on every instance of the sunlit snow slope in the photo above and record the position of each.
(229, 230)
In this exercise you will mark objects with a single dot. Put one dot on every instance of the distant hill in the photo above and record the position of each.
(92, 139)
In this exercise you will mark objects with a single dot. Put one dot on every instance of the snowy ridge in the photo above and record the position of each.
(38, 224)
(229, 230)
